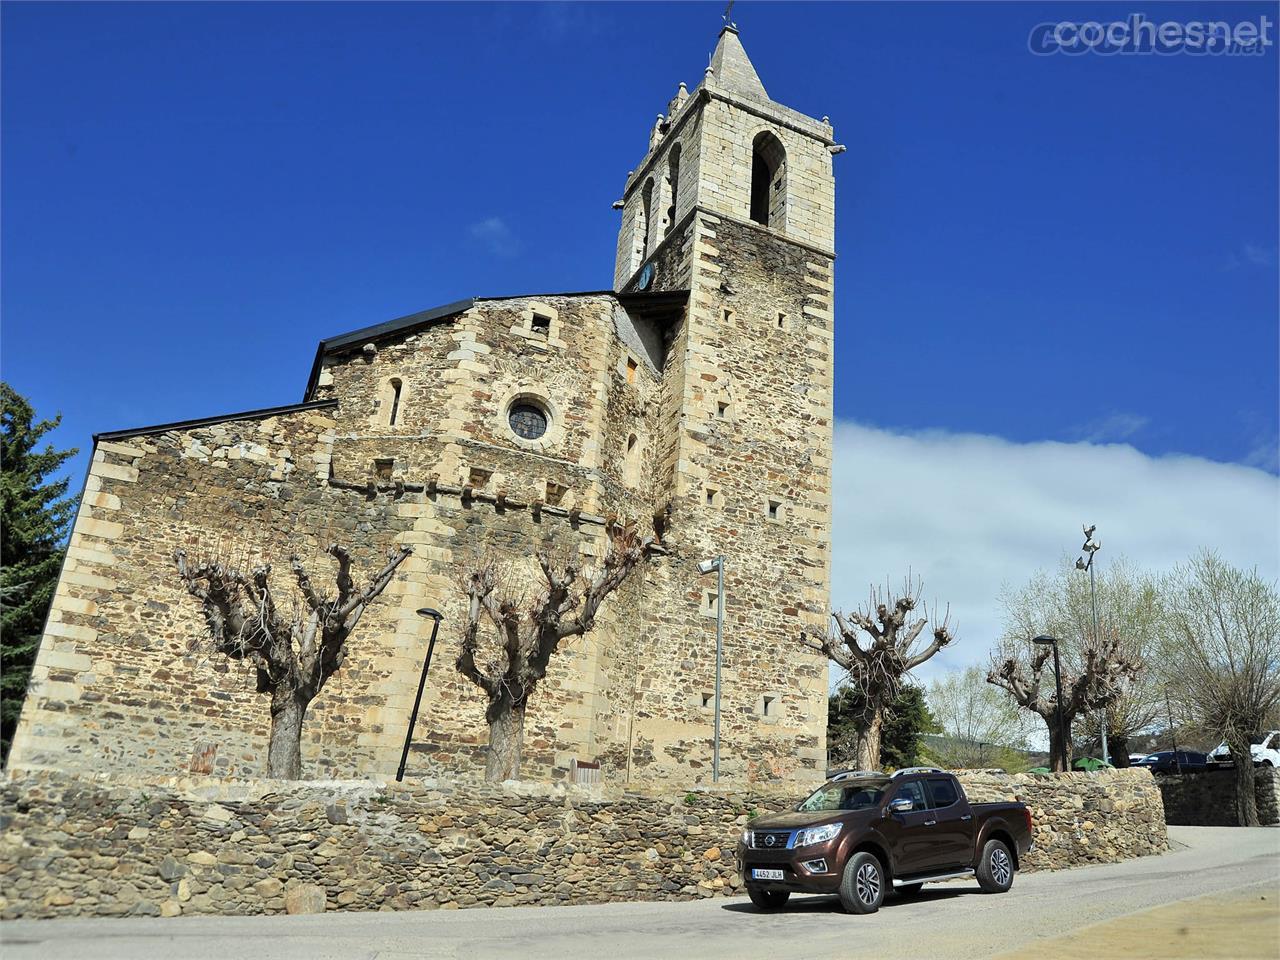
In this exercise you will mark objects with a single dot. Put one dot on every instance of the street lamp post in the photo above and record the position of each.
(1091, 547)
(426, 665)
(705, 567)
(1057, 680)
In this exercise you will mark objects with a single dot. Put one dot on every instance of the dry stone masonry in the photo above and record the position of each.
(94, 846)
(1208, 798)
(695, 400)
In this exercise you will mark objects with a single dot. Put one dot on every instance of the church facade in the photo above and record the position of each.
(693, 398)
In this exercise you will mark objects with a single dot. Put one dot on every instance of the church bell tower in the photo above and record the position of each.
(735, 202)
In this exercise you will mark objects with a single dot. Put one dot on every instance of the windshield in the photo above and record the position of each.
(850, 795)
(1256, 739)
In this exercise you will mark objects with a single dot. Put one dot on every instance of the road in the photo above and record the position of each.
(952, 920)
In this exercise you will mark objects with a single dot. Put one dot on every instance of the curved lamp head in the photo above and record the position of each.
(433, 614)
(1044, 639)
(706, 566)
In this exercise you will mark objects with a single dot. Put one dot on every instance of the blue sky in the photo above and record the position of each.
(1080, 250)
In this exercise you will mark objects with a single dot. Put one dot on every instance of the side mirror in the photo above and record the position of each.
(901, 805)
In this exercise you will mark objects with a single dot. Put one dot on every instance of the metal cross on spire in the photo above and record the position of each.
(728, 15)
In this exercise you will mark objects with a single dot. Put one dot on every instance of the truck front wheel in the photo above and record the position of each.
(768, 899)
(995, 867)
(862, 884)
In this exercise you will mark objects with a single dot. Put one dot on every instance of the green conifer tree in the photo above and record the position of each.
(34, 514)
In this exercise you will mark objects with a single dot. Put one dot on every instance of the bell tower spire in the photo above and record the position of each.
(733, 69)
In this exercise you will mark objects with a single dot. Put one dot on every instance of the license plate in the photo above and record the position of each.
(766, 874)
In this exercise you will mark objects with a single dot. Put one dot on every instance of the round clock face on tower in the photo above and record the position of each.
(645, 280)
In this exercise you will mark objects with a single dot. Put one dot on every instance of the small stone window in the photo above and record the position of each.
(708, 701)
(727, 315)
(712, 497)
(722, 409)
(782, 320)
(632, 367)
(768, 706)
(396, 386)
(383, 468)
(555, 494)
(479, 478)
(710, 602)
(775, 509)
(540, 324)
(528, 420)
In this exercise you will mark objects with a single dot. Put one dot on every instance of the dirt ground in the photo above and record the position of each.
(1241, 925)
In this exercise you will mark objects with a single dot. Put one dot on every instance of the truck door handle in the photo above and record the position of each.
(931, 823)
(967, 817)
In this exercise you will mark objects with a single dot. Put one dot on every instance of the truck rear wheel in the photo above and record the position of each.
(768, 899)
(862, 884)
(995, 867)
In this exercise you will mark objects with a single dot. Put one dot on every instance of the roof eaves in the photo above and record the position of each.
(261, 414)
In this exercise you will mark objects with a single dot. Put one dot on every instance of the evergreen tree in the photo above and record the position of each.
(34, 514)
(905, 719)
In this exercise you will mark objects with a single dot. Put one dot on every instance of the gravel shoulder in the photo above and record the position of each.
(953, 920)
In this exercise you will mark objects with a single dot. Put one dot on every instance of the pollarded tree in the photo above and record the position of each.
(527, 634)
(295, 651)
(1089, 682)
(1130, 624)
(876, 667)
(1222, 661)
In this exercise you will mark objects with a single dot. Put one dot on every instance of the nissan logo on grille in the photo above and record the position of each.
(769, 840)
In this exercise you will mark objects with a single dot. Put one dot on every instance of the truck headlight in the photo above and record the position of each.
(820, 834)
(745, 838)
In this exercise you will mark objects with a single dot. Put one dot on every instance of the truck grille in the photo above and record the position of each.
(770, 839)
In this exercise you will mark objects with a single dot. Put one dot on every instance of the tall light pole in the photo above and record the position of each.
(1091, 547)
(1057, 680)
(705, 567)
(426, 665)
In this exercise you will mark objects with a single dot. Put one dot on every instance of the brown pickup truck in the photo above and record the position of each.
(865, 831)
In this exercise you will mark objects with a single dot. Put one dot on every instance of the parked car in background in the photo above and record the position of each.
(1164, 761)
(1135, 757)
(1265, 748)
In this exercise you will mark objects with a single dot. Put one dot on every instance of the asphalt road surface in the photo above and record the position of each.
(952, 920)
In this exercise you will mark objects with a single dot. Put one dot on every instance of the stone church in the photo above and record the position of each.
(695, 396)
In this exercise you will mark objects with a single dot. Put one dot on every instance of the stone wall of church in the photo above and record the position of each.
(78, 846)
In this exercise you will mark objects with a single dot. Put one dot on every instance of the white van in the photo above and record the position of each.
(1265, 748)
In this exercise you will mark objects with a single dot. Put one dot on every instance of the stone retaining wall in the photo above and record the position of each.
(83, 846)
(1208, 799)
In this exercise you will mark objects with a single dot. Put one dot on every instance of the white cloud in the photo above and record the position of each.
(495, 236)
(968, 512)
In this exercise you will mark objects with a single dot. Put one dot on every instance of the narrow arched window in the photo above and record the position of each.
(632, 460)
(673, 187)
(768, 181)
(396, 385)
(646, 217)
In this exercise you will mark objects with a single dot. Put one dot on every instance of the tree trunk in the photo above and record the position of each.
(1118, 748)
(284, 753)
(869, 743)
(506, 736)
(1246, 798)
(1059, 752)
